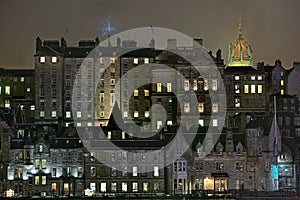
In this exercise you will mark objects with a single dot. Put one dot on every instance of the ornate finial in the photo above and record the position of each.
(240, 28)
(107, 28)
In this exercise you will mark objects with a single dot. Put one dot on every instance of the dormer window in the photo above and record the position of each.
(42, 59)
(54, 59)
(41, 148)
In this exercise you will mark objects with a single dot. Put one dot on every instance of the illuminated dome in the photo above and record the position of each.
(240, 52)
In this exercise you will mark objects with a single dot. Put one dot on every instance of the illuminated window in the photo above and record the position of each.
(215, 122)
(136, 61)
(7, 104)
(136, 93)
(200, 107)
(145, 187)
(236, 78)
(37, 164)
(41, 148)
(42, 113)
(22, 79)
(186, 107)
(282, 82)
(146, 114)
(253, 89)
(146, 93)
(134, 171)
(281, 92)
(136, 114)
(42, 59)
(169, 87)
(156, 171)
(125, 114)
(124, 187)
(112, 60)
(54, 59)
(259, 78)
(102, 187)
(215, 108)
(36, 180)
(28, 89)
(159, 124)
(237, 88)
(195, 85)
(123, 135)
(53, 114)
(246, 89)
(112, 70)
(201, 122)
(169, 123)
(78, 114)
(44, 164)
(112, 99)
(205, 85)
(259, 89)
(134, 187)
(158, 87)
(102, 60)
(146, 60)
(237, 102)
(53, 186)
(252, 78)
(186, 85)
(44, 180)
(68, 114)
(7, 90)
(109, 135)
(214, 85)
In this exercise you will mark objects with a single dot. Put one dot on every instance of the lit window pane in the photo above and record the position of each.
(103, 187)
(215, 108)
(42, 59)
(7, 90)
(146, 60)
(54, 59)
(252, 89)
(53, 113)
(186, 85)
(68, 114)
(253, 78)
(201, 122)
(282, 82)
(214, 85)
(136, 61)
(246, 89)
(136, 93)
(169, 87)
(156, 171)
(158, 87)
(147, 114)
(237, 88)
(124, 187)
(237, 78)
(136, 114)
(259, 78)
(195, 86)
(134, 171)
(259, 89)
(215, 122)
(201, 107)
(146, 93)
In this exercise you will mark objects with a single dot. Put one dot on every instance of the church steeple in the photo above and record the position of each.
(240, 52)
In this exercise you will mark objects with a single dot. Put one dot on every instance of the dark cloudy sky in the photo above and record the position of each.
(272, 27)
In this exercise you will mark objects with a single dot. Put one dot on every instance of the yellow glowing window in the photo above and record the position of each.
(169, 87)
(146, 93)
(112, 70)
(136, 93)
(7, 90)
(252, 89)
(44, 180)
(112, 60)
(282, 82)
(282, 92)
(123, 135)
(136, 114)
(158, 87)
(36, 180)
(146, 114)
(201, 107)
(253, 78)
(259, 78)
(109, 135)
(37, 164)
(20, 172)
(44, 164)
(246, 89)
(259, 89)
(195, 85)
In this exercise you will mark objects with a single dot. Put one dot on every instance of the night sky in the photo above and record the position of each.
(272, 27)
